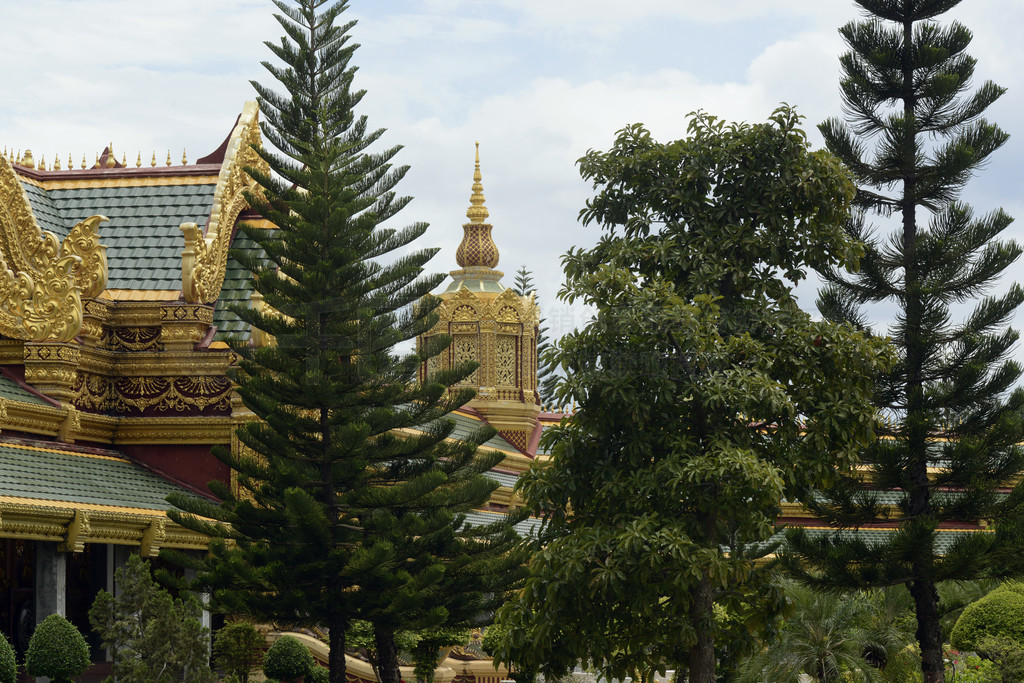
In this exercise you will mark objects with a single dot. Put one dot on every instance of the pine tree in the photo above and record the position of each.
(913, 138)
(545, 376)
(349, 492)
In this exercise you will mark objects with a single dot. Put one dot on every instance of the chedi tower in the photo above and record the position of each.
(492, 325)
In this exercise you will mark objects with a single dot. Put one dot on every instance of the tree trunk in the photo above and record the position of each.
(702, 654)
(336, 656)
(387, 656)
(929, 634)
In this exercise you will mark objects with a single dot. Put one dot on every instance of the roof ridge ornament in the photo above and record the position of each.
(204, 259)
(477, 249)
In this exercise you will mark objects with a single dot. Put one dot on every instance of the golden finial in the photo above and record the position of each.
(27, 161)
(477, 212)
(111, 161)
(56, 162)
(42, 163)
(138, 161)
(83, 160)
(71, 164)
(477, 249)
(97, 165)
(184, 160)
(168, 157)
(153, 161)
(124, 159)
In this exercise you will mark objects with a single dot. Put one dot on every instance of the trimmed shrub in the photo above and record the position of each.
(57, 650)
(287, 660)
(320, 674)
(1000, 613)
(237, 649)
(1008, 655)
(8, 664)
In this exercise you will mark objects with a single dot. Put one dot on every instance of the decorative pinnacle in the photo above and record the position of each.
(27, 160)
(111, 161)
(477, 212)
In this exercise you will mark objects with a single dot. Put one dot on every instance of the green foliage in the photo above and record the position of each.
(287, 659)
(238, 649)
(319, 674)
(964, 667)
(546, 379)
(1008, 655)
(1000, 613)
(154, 637)
(824, 637)
(8, 662)
(57, 650)
(669, 469)
(351, 494)
(427, 651)
(914, 135)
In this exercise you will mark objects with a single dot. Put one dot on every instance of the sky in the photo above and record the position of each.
(537, 82)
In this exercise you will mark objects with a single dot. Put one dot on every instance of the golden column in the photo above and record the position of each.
(492, 325)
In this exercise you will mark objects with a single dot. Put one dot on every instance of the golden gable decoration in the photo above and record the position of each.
(204, 259)
(42, 282)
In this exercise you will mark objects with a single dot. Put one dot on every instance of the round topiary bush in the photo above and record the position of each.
(319, 674)
(1000, 613)
(57, 650)
(287, 660)
(8, 664)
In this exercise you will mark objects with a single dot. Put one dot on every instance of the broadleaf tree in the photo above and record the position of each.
(706, 396)
(349, 494)
(914, 135)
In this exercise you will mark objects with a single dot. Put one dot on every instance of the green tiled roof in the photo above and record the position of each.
(12, 391)
(528, 527)
(47, 215)
(143, 236)
(465, 426)
(236, 290)
(944, 538)
(53, 474)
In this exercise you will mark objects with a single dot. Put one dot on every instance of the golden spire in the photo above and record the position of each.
(138, 160)
(168, 157)
(477, 212)
(56, 162)
(184, 159)
(71, 163)
(97, 160)
(83, 160)
(27, 161)
(477, 249)
(111, 161)
(124, 159)
(153, 162)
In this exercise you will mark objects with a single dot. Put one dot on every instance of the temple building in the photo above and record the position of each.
(116, 286)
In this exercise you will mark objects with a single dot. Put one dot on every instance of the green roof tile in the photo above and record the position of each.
(58, 475)
(12, 391)
(143, 236)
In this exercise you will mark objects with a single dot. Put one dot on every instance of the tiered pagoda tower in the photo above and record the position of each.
(492, 325)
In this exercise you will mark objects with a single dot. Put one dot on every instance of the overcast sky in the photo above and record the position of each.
(537, 82)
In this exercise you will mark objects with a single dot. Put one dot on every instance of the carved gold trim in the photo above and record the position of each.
(204, 260)
(42, 281)
(73, 525)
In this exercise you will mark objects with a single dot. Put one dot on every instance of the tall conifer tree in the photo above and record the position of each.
(349, 491)
(914, 136)
(545, 376)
